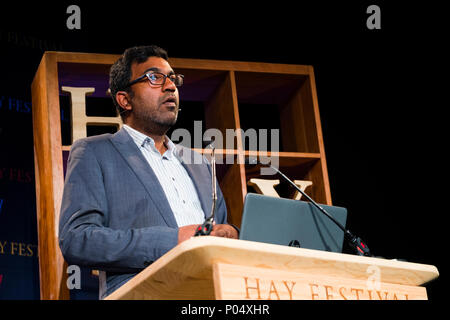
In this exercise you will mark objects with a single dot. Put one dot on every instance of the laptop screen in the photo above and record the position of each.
(285, 221)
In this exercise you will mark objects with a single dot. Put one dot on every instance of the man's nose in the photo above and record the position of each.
(169, 85)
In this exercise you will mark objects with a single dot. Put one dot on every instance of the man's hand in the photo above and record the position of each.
(219, 230)
(224, 230)
(186, 232)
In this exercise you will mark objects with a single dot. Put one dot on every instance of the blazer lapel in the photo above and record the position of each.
(199, 176)
(137, 162)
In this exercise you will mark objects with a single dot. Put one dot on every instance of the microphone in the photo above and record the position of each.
(207, 226)
(355, 242)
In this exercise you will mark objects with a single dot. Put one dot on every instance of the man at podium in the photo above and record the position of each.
(131, 196)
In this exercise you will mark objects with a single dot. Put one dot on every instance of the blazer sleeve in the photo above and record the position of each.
(84, 236)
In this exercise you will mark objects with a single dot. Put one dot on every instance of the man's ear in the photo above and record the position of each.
(123, 99)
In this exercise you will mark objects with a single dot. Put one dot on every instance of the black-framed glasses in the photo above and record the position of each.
(159, 79)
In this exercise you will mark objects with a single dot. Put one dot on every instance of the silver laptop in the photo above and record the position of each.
(291, 222)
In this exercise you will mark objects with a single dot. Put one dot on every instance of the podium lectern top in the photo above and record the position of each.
(186, 271)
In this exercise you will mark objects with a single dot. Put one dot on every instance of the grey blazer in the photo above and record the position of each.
(115, 216)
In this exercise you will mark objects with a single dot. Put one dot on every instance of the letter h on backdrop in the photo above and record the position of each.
(79, 118)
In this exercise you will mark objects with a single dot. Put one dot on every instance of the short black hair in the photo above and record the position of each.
(120, 72)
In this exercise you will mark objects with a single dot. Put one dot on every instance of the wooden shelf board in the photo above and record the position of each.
(240, 66)
(196, 64)
(248, 153)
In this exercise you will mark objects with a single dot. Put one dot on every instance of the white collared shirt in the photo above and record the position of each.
(173, 177)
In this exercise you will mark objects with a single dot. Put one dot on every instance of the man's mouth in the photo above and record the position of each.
(170, 101)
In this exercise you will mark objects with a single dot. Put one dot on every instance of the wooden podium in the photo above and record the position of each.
(218, 268)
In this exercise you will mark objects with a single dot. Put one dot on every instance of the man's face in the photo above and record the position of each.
(154, 107)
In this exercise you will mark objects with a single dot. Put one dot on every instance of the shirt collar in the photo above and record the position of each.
(142, 140)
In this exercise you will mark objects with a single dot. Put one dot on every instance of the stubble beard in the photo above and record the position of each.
(156, 121)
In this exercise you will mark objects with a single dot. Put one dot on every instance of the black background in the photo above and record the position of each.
(380, 93)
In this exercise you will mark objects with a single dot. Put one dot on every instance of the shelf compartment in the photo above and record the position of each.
(296, 166)
(283, 102)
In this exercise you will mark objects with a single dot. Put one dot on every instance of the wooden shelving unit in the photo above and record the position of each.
(244, 95)
(222, 94)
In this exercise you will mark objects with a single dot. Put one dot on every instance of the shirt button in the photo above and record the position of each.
(173, 178)
(184, 201)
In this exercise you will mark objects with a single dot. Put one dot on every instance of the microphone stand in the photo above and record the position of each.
(207, 226)
(355, 242)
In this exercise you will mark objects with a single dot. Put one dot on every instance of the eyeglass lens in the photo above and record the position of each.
(157, 78)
